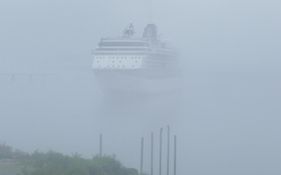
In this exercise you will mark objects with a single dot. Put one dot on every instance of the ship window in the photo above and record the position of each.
(116, 44)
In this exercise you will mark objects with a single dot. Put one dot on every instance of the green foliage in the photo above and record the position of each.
(53, 163)
(9, 168)
(7, 152)
(109, 166)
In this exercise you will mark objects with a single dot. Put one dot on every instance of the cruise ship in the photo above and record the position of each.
(136, 65)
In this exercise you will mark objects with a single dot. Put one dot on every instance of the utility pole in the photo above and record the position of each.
(175, 155)
(152, 154)
(160, 152)
(168, 150)
(100, 153)
(141, 159)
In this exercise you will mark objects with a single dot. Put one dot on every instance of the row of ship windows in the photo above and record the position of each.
(118, 66)
(120, 57)
(113, 61)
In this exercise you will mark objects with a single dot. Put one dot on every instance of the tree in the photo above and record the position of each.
(6, 152)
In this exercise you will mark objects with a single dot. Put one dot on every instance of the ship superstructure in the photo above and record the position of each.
(128, 60)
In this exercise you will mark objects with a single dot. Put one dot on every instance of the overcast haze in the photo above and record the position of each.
(227, 116)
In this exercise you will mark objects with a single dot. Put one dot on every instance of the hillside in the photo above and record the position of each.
(53, 163)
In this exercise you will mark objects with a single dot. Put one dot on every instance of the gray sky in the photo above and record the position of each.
(227, 117)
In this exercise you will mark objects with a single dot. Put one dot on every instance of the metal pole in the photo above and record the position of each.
(175, 155)
(152, 153)
(100, 154)
(141, 160)
(168, 150)
(160, 152)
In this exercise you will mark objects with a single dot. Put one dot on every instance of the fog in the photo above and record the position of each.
(226, 115)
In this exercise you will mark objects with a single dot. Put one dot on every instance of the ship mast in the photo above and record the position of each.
(129, 32)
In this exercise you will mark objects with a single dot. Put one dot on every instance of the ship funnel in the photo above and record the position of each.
(150, 32)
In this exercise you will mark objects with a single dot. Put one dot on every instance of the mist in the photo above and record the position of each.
(226, 114)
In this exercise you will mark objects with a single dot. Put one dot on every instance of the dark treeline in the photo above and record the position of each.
(7, 152)
(54, 163)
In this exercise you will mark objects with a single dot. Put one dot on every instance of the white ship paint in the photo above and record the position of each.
(136, 65)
